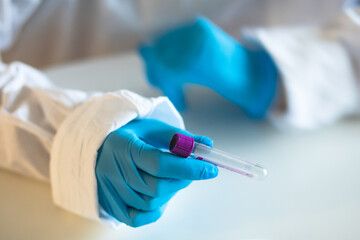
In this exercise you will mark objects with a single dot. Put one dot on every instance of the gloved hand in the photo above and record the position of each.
(136, 179)
(201, 53)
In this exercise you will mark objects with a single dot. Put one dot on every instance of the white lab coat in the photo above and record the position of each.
(314, 44)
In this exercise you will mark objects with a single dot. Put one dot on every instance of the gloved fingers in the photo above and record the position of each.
(153, 203)
(153, 68)
(133, 217)
(141, 181)
(167, 165)
(156, 74)
(175, 92)
(143, 202)
(147, 184)
(116, 184)
(157, 187)
(137, 179)
(203, 139)
(144, 51)
(198, 138)
(159, 76)
(139, 218)
(159, 134)
(111, 202)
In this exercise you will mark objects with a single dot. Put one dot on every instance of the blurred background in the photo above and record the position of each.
(51, 32)
(313, 187)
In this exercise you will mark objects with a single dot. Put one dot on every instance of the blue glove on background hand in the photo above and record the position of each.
(136, 179)
(201, 53)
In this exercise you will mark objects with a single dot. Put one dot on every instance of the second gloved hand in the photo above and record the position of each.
(201, 53)
(136, 179)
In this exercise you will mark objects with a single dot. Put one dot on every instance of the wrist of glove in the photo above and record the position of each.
(136, 179)
(199, 52)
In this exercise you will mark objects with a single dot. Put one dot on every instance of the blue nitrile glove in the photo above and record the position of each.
(136, 179)
(201, 53)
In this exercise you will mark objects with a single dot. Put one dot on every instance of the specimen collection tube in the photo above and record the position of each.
(185, 146)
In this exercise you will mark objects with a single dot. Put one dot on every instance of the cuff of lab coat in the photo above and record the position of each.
(319, 84)
(74, 151)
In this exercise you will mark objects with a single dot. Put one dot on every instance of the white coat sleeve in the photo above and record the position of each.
(53, 134)
(319, 72)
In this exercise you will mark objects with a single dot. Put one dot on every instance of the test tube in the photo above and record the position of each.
(185, 146)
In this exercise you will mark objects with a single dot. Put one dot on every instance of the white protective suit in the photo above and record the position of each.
(315, 45)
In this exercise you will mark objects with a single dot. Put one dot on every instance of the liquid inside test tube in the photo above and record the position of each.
(185, 146)
(228, 161)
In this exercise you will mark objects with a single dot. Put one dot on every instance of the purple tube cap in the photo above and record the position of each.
(181, 145)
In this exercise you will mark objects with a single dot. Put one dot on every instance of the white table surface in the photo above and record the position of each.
(312, 191)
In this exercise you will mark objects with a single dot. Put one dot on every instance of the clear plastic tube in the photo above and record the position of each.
(228, 161)
(184, 146)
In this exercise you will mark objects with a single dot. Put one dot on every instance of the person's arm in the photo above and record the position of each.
(199, 52)
(32, 110)
(43, 127)
(313, 70)
(319, 71)
(79, 141)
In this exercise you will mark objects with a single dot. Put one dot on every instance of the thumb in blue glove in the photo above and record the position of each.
(201, 53)
(136, 179)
